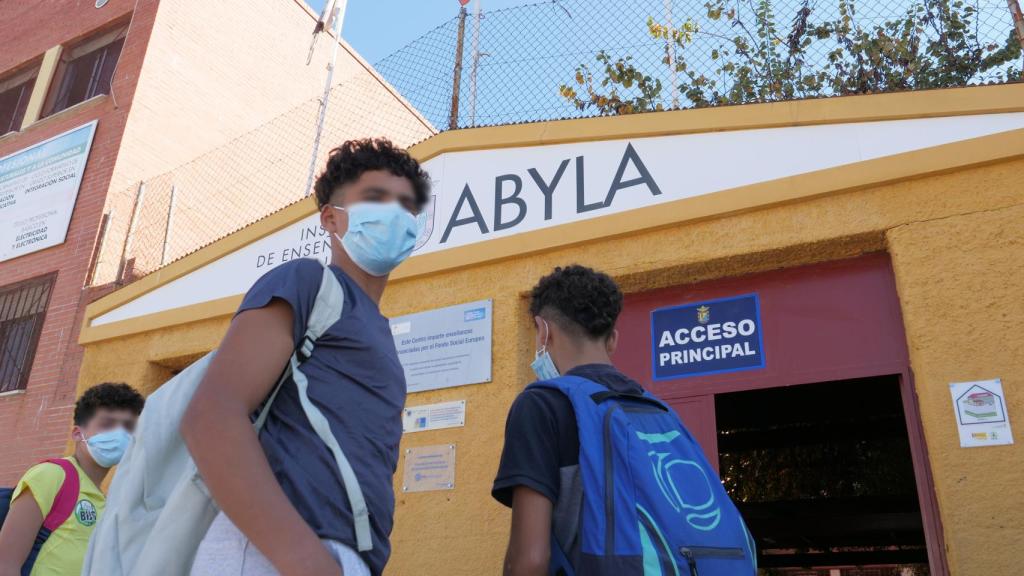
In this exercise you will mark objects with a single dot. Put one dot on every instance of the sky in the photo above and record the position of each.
(372, 28)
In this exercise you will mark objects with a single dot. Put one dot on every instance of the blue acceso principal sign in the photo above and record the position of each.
(707, 337)
(445, 347)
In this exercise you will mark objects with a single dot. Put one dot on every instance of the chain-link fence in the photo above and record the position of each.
(573, 58)
(562, 59)
(171, 215)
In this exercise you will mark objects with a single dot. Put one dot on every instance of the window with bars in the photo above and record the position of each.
(22, 311)
(86, 70)
(15, 91)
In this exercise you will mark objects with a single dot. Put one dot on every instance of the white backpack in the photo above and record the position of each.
(158, 509)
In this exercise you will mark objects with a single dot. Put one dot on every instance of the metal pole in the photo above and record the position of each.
(167, 228)
(140, 193)
(104, 228)
(476, 62)
(671, 45)
(323, 100)
(1018, 20)
(453, 118)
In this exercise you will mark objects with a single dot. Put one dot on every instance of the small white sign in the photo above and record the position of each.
(981, 415)
(429, 468)
(434, 416)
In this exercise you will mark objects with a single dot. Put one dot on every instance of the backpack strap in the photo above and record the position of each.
(327, 309)
(64, 503)
(571, 386)
(576, 388)
(559, 564)
(61, 509)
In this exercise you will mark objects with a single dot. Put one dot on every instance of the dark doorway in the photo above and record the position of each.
(824, 476)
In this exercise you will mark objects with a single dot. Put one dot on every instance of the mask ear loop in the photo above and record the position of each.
(547, 334)
(335, 234)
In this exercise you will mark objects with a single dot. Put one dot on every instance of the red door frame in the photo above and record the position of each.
(824, 322)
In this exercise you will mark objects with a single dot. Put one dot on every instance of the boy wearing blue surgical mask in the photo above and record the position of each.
(574, 311)
(57, 503)
(281, 490)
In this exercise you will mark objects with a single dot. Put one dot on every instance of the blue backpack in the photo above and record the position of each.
(652, 504)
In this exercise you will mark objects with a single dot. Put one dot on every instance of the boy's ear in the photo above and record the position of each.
(333, 219)
(327, 217)
(76, 434)
(613, 342)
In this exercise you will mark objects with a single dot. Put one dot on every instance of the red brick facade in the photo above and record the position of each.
(202, 88)
(34, 423)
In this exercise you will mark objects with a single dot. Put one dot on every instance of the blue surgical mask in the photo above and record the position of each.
(107, 448)
(380, 236)
(543, 366)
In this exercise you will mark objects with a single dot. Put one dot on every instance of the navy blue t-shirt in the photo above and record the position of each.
(357, 382)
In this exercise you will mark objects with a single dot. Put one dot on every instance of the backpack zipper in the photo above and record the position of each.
(691, 553)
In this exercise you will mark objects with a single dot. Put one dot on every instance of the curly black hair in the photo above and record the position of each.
(347, 163)
(579, 299)
(110, 395)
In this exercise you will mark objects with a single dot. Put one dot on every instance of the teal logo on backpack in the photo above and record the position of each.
(699, 505)
(85, 513)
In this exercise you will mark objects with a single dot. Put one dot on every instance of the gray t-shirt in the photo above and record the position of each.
(357, 382)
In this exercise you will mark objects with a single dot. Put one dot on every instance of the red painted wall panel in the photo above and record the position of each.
(829, 321)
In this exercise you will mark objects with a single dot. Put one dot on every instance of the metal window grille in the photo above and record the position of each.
(22, 311)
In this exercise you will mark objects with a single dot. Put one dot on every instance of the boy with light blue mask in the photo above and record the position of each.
(602, 477)
(280, 490)
(574, 310)
(56, 504)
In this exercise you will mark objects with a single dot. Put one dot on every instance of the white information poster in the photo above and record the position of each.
(445, 347)
(38, 189)
(981, 413)
(434, 416)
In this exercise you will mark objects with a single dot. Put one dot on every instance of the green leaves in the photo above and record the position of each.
(934, 44)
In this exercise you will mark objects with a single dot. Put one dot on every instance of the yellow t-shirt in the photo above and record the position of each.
(64, 551)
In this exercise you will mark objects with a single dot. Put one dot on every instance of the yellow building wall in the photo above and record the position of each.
(956, 240)
(960, 280)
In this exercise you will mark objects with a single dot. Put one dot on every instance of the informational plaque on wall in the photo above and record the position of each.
(434, 416)
(445, 347)
(38, 189)
(981, 416)
(429, 468)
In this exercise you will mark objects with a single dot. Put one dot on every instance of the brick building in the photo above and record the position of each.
(160, 83)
